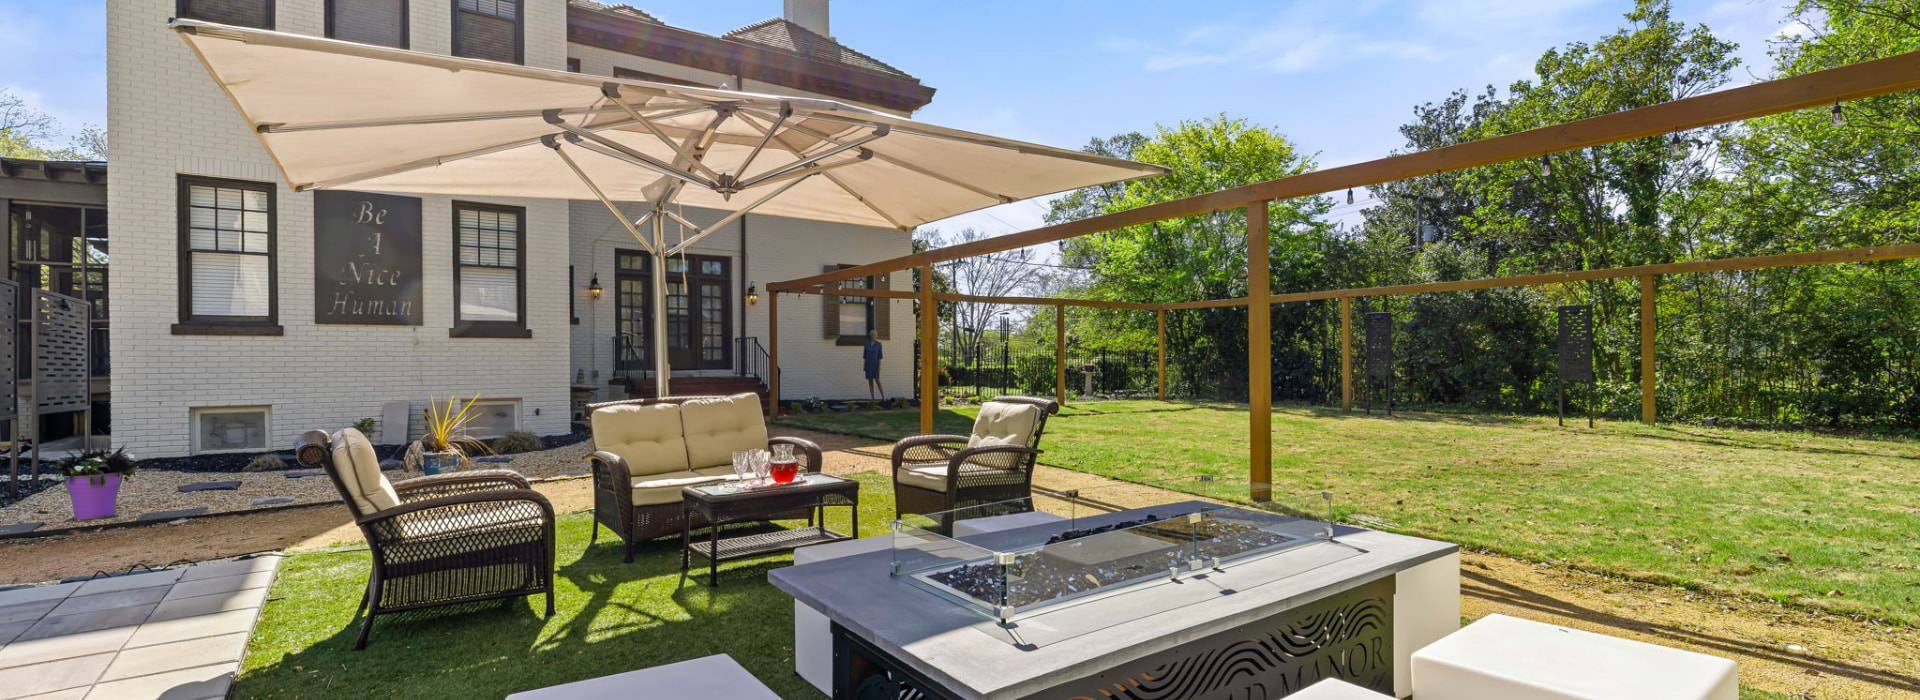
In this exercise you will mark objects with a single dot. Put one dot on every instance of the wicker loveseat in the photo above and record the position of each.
(938, 473)
(440, 540)
(650, 449)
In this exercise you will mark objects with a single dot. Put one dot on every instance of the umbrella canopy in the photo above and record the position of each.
(340, 115)
(336, 114)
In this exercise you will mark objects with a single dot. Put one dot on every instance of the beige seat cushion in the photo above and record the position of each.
(359, 470)
(716, 428)
(1004, 423)
(665, 488)
(927, 476)
(648, 437)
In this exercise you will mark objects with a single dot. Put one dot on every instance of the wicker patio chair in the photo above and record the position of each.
(440, 540)
(647, 450)
(939, 473)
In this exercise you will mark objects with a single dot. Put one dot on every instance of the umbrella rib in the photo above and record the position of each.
(632, 228)
(281, 128)
(736, 214)
(814, 159)
(911, 167)
(612, 93)
(438, 160)
(837, 182)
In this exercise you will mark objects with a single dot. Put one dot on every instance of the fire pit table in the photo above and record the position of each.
(1186, 599)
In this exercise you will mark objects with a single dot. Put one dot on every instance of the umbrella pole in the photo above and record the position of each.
(660, 365)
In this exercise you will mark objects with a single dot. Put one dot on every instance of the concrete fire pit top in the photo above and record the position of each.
(977, 658)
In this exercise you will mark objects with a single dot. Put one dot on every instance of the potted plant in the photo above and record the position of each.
(444, 445)
(93, 482)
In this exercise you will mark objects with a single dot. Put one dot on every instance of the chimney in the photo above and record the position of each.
(809, 14)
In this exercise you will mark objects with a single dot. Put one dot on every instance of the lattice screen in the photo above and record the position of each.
(9, 350)
(59, 353)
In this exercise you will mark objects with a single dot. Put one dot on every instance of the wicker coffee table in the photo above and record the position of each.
(724, 504)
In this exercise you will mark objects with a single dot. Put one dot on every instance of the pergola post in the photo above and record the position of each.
(1162, 317)
(1259, 356)
(1060, 353)
(1649, 284)
(773, 353)
(1346, 354)
(929, 350)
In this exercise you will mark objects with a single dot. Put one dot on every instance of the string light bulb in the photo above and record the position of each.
(1839, 117)
(1546, 167)
(1677, 146)
(1349, 195)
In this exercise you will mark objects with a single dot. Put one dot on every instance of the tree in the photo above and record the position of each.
(1019, 272)
(24, 131)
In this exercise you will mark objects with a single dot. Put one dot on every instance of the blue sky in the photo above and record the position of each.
(1337, 77)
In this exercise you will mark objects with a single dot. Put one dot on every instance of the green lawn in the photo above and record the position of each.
(1823, 521)
(612, 617)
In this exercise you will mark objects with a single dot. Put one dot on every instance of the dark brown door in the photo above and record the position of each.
(699, 311)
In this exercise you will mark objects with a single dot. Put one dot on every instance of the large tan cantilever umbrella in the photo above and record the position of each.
(340, 115)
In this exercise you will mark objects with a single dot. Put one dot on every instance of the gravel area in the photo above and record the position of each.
(156, 487)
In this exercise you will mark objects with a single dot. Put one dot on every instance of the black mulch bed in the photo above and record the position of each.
(27, 488)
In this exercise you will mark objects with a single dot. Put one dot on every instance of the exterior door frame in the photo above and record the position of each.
(700, 287)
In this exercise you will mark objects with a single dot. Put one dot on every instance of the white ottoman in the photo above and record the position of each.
(1336, 689)
(716, 677)
(1500, 657)
(812, 631)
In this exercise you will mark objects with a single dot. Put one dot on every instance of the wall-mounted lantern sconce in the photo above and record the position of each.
(593, 287)
(753, 294)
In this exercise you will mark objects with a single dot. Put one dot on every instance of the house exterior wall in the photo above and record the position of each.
(778, 248)
(168, 119)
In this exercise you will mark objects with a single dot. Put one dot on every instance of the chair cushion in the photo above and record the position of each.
(927, 476)
(359, 470)
(647, 437)
(716, 428)
(658, 489)
(1004, 423)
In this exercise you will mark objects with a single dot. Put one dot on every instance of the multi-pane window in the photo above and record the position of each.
(488, 263)
(488, 29)
(242, 13)
(227, 241)
(382, 22)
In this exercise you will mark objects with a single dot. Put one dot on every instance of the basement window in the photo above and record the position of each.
(230, 429)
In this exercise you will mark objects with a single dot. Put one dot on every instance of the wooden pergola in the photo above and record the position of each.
(1820, 89)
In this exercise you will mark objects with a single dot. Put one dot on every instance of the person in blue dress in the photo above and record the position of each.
(870, 362)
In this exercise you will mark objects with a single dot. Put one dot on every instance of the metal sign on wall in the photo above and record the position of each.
(1380, 346)
(1576, 343)
(366, 259)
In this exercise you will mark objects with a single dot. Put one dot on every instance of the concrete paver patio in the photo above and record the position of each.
(174, 633)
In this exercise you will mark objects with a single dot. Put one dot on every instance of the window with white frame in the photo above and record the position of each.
(493, 418)
(227, 252)
(489, 270)
(231, 429)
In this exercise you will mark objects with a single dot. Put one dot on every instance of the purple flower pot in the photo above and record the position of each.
(94, 496)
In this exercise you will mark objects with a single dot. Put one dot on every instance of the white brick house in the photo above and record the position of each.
(216, 345)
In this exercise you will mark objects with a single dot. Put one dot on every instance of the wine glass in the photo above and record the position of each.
(742, 467)
(760, 466)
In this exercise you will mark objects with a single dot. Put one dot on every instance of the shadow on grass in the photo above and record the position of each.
(1480, 585)
(611, 617)
(1682, 435)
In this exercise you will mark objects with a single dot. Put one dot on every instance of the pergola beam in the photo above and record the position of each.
(1821, 88)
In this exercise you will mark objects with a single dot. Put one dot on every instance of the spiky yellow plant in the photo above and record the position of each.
(446, 425)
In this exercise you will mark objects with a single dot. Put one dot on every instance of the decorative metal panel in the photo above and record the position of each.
(1379, 346)
(1576, 343)
(59, 353)
(1348, 636)
(9, 350)
(366, 259)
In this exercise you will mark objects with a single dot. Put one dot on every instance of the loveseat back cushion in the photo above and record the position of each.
(647, 437)
(718, 427)
(359, 470)
(1005, 423)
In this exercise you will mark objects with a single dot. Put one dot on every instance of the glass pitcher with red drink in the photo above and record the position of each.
(785, 466)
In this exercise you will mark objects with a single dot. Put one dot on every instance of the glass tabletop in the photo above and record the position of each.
(739, 488)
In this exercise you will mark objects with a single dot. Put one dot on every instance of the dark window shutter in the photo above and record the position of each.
(242, 13)
(882, 308)
(831, 315)
(488, 29)
(381, 22)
